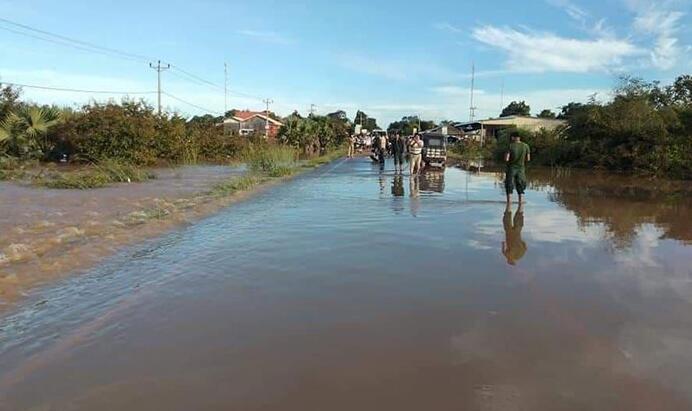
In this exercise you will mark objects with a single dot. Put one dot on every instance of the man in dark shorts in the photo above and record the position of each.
(398, 150)
(516, 157)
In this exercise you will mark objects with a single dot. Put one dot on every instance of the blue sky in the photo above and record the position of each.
(388, 58)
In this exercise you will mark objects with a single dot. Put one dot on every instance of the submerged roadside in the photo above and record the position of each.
(50, 234)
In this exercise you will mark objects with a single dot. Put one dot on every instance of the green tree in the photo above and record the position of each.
(367, 122)
(9, 100)
(207, 120)
(313, 135)
(408, 123)
(547, 114)
(570, 110)
(516, 108)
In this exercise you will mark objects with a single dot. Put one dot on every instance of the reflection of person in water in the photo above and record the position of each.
(398, 185)
(382, 180)
(513, 247)
(414, 189)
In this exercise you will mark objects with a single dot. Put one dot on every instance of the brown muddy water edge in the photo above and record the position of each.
(48, 234)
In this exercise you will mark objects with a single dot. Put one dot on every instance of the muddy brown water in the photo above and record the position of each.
(353, 288)
(46, 233)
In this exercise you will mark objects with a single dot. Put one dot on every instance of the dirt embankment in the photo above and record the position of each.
(46, 234)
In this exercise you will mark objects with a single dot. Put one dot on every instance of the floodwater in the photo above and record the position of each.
(46, 233)
(351, 288)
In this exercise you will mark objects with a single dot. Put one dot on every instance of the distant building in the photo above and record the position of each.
(482, 129)
(448, 130)
(248, 122)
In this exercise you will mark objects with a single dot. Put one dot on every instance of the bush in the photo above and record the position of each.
(124, 132)
(270, 159)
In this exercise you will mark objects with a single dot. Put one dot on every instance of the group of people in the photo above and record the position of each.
(516, 157)
(397, 147)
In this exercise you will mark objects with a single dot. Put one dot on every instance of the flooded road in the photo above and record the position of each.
(47, 233)
(352, 288)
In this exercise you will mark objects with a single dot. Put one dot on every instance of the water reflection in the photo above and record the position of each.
(414, 193)
(514, 247)
(398, 185)
(432, 181)
(622, 205)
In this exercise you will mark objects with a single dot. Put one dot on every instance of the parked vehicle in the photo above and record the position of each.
(435, 150)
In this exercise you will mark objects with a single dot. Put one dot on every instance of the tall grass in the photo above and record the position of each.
(96, 175)
(272, 160)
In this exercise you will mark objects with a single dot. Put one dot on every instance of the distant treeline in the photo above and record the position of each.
(132, 132)
(646, 129)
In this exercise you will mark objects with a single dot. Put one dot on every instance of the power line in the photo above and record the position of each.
(59, 42)
(73, 90)
(106, 92)
(81, 43)
(191, 104)
(195, 77)
(112, 52)
(94, 48)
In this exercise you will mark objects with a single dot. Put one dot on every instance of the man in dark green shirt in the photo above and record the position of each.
(516, 157)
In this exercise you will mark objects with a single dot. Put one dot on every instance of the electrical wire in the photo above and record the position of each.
(191, 104)
(73, 90)
(80, 43)
(94, 48)
(113, 52)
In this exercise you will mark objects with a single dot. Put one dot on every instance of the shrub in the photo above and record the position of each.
(124, 132)
(270, 159)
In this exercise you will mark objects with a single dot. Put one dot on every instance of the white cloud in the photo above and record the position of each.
(267, 36)
(541, 52)
(663, 25)
(574, 11)
(448, 27)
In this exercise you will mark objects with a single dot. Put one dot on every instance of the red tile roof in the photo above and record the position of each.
(244, 115)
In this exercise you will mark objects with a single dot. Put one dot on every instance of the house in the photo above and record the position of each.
(247, 122)
(490, 127)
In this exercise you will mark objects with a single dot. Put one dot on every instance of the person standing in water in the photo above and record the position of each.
(415, 149)
(383, 147)
(398, 150)
(516, 157)
(351, 146)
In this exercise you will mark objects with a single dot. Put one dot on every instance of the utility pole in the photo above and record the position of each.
(225, 89)
(472, 108)
(159, 68)
(267, 101)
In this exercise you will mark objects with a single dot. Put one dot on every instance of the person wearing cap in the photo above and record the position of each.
(415, 149)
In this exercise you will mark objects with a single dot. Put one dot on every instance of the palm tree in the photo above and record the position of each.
(27, 130)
